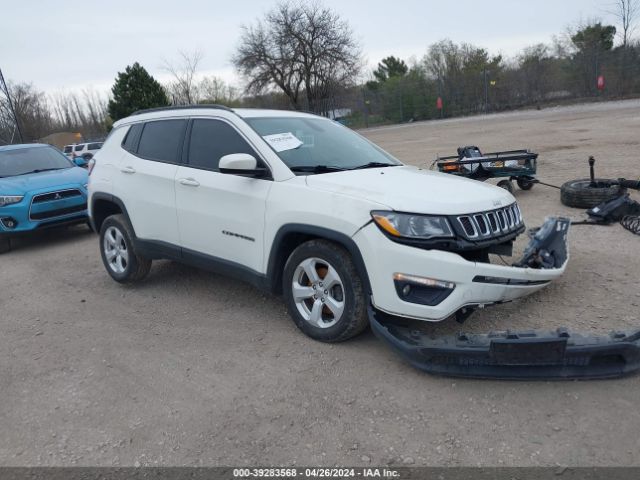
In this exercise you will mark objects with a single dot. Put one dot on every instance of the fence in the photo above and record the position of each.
(481, 90)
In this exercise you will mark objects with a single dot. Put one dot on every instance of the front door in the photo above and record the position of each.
(220, 215)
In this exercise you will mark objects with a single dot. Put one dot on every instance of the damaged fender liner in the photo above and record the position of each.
(538, 354)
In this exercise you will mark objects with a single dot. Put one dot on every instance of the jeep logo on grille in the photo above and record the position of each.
(497, 203)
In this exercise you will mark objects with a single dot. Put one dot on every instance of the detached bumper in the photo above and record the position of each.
(558, 354)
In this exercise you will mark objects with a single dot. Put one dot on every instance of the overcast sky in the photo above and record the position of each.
(71, 45)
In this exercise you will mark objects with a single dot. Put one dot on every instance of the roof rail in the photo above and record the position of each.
(182, 107)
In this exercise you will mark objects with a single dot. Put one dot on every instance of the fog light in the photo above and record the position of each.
(9, 222)
(427, 282)
(422, 290)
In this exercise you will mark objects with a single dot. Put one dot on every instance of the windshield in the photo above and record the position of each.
(305, 143)
(31, 159)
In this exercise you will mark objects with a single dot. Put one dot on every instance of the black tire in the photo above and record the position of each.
(136, 267)
(506, 184)
(353, 319)
(580, 194)
(5, 244)
(524, 183)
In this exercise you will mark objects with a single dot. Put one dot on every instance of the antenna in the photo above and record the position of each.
(5, 90)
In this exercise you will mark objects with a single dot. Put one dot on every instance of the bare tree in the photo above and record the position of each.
(213, 89)
(32, 113)
(627, 12)
(183, 89)
(301, 49)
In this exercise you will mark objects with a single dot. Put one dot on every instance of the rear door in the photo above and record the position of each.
(220, 215)
(146, 175)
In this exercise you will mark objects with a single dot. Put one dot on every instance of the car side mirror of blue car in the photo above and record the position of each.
(80, 162)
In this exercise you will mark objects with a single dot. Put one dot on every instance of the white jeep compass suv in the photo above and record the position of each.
(300, 205)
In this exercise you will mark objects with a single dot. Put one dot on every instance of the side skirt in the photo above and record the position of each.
(161, 250)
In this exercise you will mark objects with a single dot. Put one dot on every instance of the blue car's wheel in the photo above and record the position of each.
(118, 251)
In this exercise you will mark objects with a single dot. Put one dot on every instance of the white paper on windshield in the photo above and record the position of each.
(283, 141)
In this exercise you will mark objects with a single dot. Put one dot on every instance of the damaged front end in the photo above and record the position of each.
(557, 354)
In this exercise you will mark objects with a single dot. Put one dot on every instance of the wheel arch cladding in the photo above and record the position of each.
(103, 206)
(290, 236)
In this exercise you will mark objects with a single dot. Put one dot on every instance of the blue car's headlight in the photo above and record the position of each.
(9, 199)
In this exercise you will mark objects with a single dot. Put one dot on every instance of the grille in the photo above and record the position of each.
(494, 223)
(52, 196)
(483, 226)
(58, 213)
(468, 226)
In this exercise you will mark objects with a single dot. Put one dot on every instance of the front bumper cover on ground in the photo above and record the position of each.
(558, 354)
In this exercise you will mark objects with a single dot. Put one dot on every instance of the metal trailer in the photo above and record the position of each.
(470, 162)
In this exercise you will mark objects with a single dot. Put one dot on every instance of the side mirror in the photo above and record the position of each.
(80, 162)
(241, 164)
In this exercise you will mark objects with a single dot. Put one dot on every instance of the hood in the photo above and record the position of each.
(412, 189)
(22, 184)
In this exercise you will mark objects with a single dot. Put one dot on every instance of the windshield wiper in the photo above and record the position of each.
(38, 170)
(374, 165)
(317, 169)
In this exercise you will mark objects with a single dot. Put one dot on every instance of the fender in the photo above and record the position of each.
(278, 255)
(109, 198)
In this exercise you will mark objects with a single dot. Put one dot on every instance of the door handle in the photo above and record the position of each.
(189, 182)
(128, 170)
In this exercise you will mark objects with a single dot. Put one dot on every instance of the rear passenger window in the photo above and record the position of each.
(212, 139)
(161, 140)
(130, 142)
(79, 147)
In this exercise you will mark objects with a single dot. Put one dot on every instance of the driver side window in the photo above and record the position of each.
(211, 140)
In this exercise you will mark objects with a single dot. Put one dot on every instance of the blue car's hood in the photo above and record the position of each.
(44, 180)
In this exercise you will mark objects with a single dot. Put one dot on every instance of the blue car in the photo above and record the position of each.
(39, 188)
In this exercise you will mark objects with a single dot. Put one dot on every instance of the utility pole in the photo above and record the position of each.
(5, 90)
(486, 90)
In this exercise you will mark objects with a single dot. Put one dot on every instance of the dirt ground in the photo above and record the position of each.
(191, 368)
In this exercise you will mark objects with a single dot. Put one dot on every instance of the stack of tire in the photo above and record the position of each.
(582, 193)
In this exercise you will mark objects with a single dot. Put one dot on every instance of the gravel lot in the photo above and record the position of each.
(191, 368)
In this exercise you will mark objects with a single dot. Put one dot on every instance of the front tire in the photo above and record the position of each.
(119, 255)
(324, 293)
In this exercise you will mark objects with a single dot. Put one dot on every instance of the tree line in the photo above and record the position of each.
(304, 56)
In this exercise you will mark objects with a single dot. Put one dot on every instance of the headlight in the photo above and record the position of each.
(412, 226)
(9, 199)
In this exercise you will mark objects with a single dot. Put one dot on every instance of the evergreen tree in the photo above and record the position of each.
(135, 90)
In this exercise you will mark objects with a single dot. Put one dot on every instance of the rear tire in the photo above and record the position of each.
(5, 244)
(118, 251)
(324, 293)
(524, 183)
(580, 194)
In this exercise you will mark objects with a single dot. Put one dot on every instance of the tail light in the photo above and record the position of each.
(90, 165)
